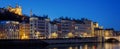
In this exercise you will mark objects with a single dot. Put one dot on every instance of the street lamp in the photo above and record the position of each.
(70, 35)
(54, 35)
(37, 35)
(85, 34)
(24, 36)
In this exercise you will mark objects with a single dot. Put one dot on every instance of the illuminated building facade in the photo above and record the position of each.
(11, 29)
(76, 27)
(84, 27)
(89, 27)
(108, 32)
(53, 28)
(24, 30)
(41, 25)
(62, 27)
(96, 25)
(66, 27)
(16, 10)
(98, 30)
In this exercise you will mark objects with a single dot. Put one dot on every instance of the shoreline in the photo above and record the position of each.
(44, 42)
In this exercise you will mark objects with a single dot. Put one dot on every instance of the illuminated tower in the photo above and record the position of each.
(18, 10)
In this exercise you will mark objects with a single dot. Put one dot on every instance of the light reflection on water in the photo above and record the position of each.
(85, 46)
(73, 46)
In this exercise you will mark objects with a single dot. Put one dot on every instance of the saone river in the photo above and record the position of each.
(73, 46)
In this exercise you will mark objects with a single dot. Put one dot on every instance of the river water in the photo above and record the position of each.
(73, 46)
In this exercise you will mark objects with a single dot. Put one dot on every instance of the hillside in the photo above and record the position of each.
(5, 15)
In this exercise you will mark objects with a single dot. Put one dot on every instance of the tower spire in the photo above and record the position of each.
(31, 13)
(17, 5)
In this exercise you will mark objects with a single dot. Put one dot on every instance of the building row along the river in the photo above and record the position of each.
(42, 27)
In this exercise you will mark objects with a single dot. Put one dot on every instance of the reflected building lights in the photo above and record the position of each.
(55, 48)
(76, 47)
(85, 46)
(70, 48)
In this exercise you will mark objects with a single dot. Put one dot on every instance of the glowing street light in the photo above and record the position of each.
(24, 36)
(85, 34)
(70, 35)
(37, 34)
(54, 35)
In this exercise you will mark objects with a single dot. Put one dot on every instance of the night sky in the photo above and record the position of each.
(105, 12)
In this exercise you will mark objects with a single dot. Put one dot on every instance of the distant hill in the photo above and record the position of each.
(5, 15)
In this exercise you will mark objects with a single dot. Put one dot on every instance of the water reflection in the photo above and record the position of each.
(85, 46)
(72, 46)
(112, 46)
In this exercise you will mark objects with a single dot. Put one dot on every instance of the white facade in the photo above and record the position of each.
(54, 28)
(81, 29)
(66, 27)
(41, 25)
(76, 27)
(12, 29)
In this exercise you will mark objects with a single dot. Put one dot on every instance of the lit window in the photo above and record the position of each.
(76, 27)
(33, 18)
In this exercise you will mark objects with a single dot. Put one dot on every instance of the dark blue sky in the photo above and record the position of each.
(105, 12)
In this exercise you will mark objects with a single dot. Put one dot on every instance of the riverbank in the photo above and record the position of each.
(48, 41)
(71, 40)
(45, 42)
(19, 42)
(68, 46)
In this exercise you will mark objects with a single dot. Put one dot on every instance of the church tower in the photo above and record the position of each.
(18, 10)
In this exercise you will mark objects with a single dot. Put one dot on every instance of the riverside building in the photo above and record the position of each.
(39, 27)
(79, 28)
(84, 28)
(64, 26)
(11, 29)
(24, 29)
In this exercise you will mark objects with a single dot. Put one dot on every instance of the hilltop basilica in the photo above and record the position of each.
(16, 10)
